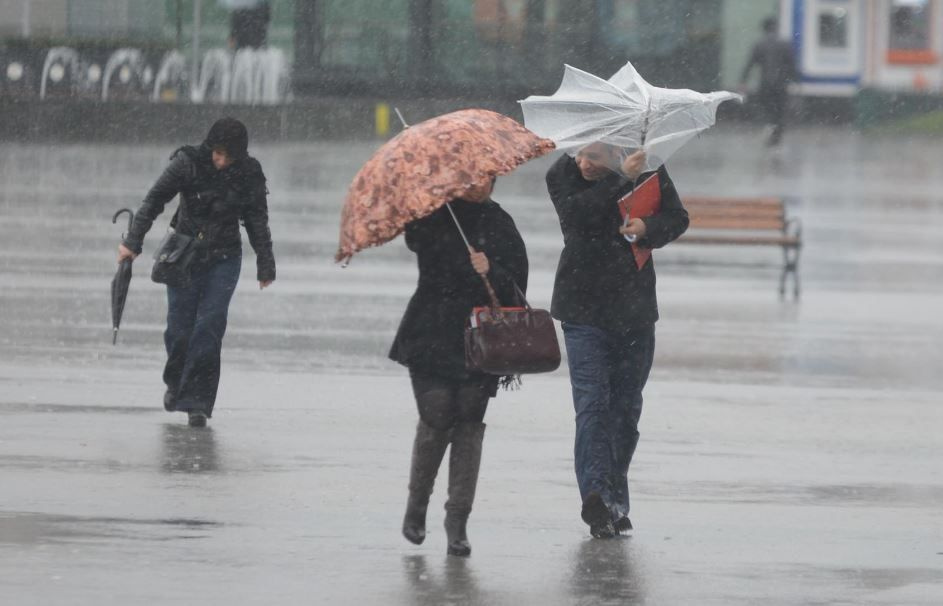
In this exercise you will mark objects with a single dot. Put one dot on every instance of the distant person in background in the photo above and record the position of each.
(774, 57)
(249, 26)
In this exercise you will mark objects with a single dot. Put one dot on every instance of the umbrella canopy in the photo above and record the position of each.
(624, 111)
(425, 166)
(120, 283)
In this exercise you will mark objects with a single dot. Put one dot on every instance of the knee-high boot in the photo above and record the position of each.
(428, 449)
(464, 463)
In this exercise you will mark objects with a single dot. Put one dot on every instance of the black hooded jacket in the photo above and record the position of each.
(598, 282)
(431, 334)
(212, 204)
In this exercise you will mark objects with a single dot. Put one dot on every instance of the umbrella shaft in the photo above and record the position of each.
(458, 225)
(491, 294)
(401, 118)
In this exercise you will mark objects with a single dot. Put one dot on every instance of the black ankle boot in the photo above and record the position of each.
(457, 537)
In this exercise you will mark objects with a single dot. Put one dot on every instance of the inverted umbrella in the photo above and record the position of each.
(625, 111)
(425, 166)
(120, 283)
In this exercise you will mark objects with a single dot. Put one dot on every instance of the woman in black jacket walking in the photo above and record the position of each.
(220, 185)
(430, 342)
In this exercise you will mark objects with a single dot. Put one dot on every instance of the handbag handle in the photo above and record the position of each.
(520, 295)
(495, 304)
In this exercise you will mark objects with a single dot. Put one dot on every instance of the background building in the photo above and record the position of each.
(447, 47)
(60, 19)
(846, 45)
(867, 57)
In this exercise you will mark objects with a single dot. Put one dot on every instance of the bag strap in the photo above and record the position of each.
(520, 295)
(496, 305)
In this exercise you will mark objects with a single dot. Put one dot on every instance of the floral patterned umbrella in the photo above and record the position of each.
(425, 166)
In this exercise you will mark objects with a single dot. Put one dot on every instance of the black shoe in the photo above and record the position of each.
(196, 418)
(602, 531)
(596, 514)
(622, 525)
(170, 401)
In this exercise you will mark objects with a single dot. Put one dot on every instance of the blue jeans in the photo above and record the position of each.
(608, 371)
(196, 323)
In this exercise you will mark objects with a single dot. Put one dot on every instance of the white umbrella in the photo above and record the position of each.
(624, 111)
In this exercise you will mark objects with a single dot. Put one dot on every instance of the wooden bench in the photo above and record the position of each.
(747, 222)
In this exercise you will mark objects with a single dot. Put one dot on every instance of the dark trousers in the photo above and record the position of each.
(196, 323)
(608, 371)
(773, 103)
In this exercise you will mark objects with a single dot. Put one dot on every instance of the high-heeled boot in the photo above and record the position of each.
(428, 449)
(464, 463)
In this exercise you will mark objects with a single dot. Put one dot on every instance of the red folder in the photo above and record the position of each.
(643, 201)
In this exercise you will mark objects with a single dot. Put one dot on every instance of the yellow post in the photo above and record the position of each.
(382, 119)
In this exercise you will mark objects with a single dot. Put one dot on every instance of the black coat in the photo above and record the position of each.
(598, 282)
(431, 334)
(776, 62)
(212, 204)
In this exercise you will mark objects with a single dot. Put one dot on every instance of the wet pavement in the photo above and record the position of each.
(790, 451)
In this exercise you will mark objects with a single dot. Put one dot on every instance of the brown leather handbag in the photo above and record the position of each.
(511, 340)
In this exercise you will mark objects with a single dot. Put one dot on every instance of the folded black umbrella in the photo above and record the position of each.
(120, 283)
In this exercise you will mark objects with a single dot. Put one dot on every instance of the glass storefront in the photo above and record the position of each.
(478, 46)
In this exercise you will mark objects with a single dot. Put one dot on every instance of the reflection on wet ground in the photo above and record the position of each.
(453, 582)
(34, 528)
(788, 451)
(604, 573)
(188, 451)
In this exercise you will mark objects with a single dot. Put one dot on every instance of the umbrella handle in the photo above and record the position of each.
(114, 219)
(495, 304)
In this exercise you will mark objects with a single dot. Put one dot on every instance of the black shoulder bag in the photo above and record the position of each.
(173, 259)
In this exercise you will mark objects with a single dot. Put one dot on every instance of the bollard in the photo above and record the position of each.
(382, 119)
